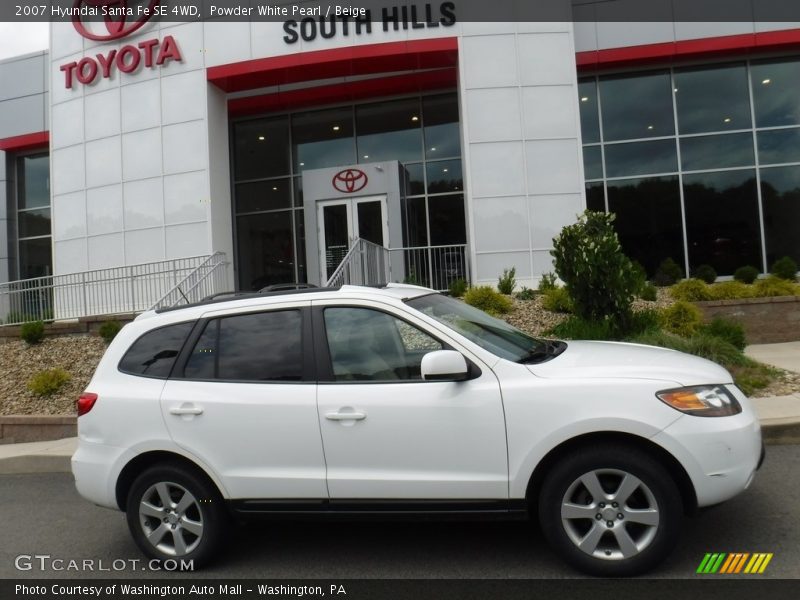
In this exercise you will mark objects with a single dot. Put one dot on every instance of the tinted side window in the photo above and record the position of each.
(154, 353)
(252, 347)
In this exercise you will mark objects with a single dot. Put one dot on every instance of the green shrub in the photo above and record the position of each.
(47, 383)
(773, 286)
(662, 339)
(730, 290)
(526, 294)
(640, 274)
(507, 281)
(487, 299)
(726, 329)
(32, 332)
(600, 279)
(746, 274)
(668, 273)
(682, 318)
(705, 273)
(457, 288)
(649, 293)
(577, 328)
(691, 290)
(785, 268)
(547, 282)
(109, 330)
(718, 350)
(557, 300)
(643, 321)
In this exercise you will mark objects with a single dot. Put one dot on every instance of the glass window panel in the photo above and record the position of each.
(590, 120)
(368, 345)
(447, 221)
(370, 221)
(717, 151)
(300, 243)
(389, 131)
(775, 93)
(413, 179)
(265, 249)
(592, 162)
(649, 222)
(261, 347)
(442, 131)
(322, 138)
(34, 185)
(263, 195)
(722, 220)
(202, 363)
(637, 106)
(261, 148)
(780, 195)
(641, 158)
(595, 197)
(713, 99)
(34, 222)
(35, 258)
(298, 192)
(778, 146)
(444, 176)
(415, 218)
(155, 352)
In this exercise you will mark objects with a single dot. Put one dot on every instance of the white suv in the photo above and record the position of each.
(399, 401)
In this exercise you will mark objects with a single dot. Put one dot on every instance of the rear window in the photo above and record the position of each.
(154, 353)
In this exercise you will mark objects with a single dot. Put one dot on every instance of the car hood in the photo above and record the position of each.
(592, 360)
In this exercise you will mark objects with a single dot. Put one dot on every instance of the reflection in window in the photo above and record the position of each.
(592, 162)
(34, 185)
(775, 93)
(442, 135)
(638, 106)
(35, 258)
(712, 99)
(722, 220)
(266, 250)
(322, 138)
(389, 131)
(778, 146)
(154, 353)
(34, 242)
(717, 151)
(415, 223)
(641, 158)
(780, 193)
(260, 148)
(590, 122)
(413, 179)
(444, 176)
(263, 195)
(446, 220)
(649, 221)
(595, 197)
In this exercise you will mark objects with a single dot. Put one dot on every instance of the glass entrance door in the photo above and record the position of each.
(341, 222)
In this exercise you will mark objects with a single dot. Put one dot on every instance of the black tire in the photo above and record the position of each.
(610, 463)
(207, 510)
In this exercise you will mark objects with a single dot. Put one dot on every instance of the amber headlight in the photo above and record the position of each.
(702, 401)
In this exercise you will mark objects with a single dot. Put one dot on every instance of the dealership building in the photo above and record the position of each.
(264, 151)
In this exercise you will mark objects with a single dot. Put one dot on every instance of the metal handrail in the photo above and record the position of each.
(193, 292)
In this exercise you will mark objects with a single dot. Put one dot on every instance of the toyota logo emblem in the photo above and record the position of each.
(350, 180)
(117, 27)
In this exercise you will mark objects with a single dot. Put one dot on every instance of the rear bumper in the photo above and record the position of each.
(93, 466)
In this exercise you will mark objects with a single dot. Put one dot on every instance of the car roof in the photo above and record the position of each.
(397, 291)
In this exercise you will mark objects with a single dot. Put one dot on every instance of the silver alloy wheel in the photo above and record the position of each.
(171, 518)
(610, 514)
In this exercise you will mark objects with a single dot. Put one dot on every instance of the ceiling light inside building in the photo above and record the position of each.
(415, 118)
(767, 81)
(445, 170)
(336, 128)
(650, 127)
(274, 188)
(261, 138)
(585, 99)
(726, 120)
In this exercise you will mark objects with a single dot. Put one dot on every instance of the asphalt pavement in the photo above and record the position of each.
(41, 514)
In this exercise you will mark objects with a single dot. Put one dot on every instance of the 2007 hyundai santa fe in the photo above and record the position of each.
(399, 400)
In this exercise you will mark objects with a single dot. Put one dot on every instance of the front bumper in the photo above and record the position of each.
(720, 454)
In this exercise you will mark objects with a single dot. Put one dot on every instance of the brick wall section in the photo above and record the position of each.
(765, 320)
(23, 428)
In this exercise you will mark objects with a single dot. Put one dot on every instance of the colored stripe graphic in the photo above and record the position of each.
(711, 562)
(734, 563)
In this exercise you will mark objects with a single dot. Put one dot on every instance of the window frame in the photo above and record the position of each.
(186, 340)
(306, 341)
(324, 362)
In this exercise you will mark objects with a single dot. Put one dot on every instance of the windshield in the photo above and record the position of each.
(494, 335)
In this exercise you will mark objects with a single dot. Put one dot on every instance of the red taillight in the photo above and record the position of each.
(86, 403)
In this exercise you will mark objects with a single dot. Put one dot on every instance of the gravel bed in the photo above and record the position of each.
(78, 355)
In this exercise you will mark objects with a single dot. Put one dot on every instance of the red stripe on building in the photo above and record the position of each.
(29, 141)
(729, 45)
(339, 62)
(344, 92)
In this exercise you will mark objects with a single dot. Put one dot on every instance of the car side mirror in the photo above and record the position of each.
(444, 365)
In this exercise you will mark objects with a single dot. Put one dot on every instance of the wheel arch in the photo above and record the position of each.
(144, 461)
(676, 470)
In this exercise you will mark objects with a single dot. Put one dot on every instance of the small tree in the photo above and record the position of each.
(600, 279)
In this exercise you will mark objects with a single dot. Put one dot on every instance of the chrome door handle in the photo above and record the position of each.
(186, 410)
(348, 416)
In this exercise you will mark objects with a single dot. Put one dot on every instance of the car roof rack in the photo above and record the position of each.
(229, 296)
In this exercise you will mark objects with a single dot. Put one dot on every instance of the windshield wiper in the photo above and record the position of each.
(550, 350)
